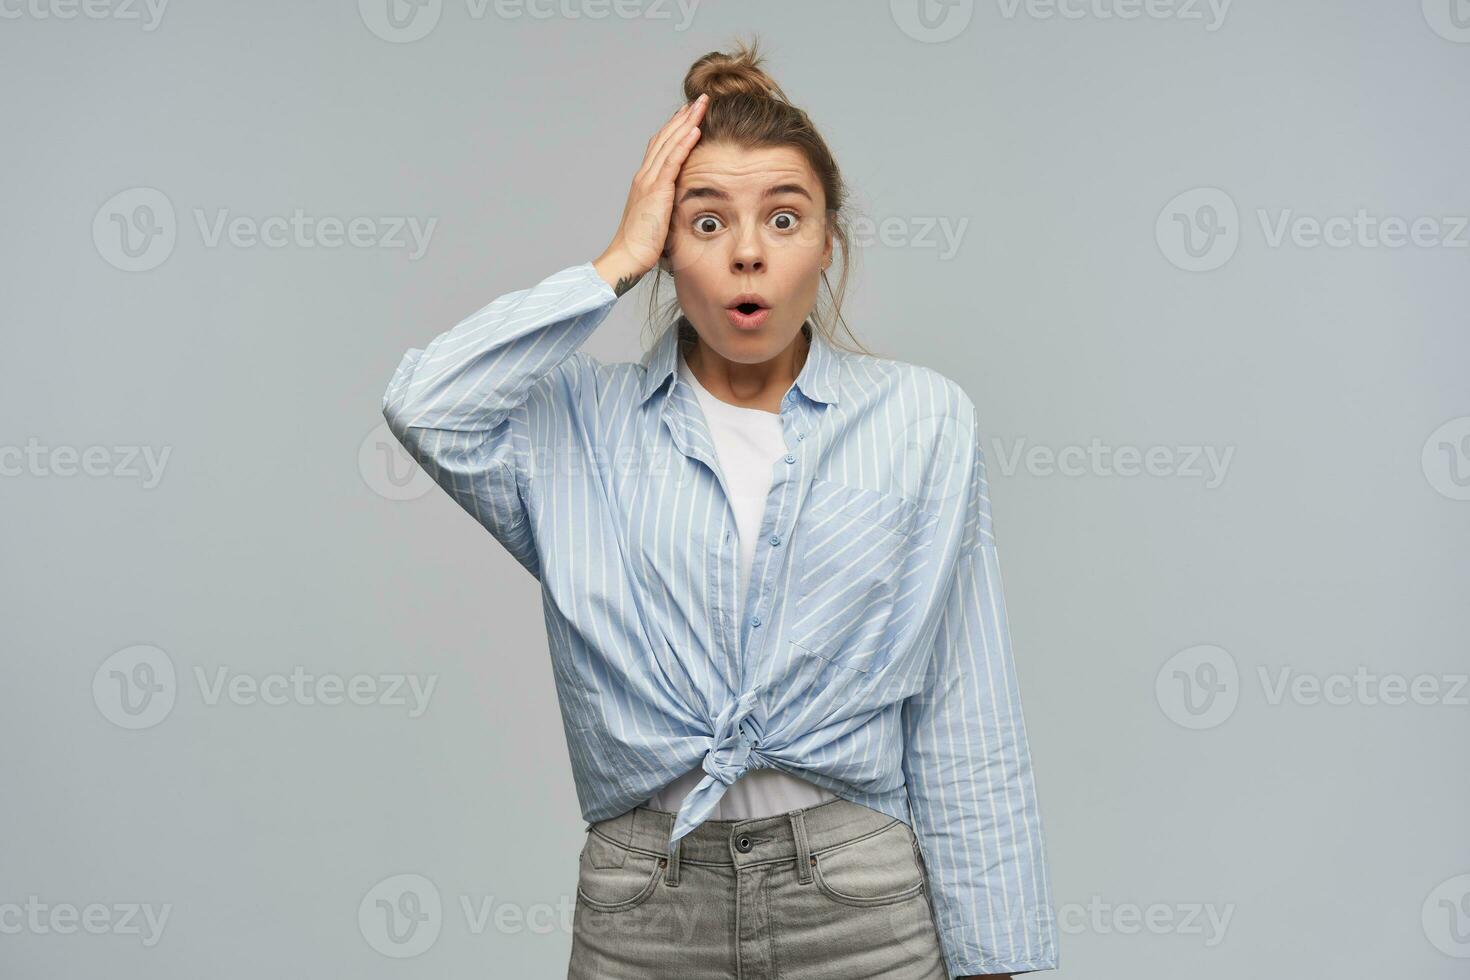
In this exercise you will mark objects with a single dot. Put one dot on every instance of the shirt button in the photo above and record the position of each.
(755, 620)
(800, 436)
(790, 458)
(775, 539)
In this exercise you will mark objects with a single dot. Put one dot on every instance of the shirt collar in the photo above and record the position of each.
(817, 378)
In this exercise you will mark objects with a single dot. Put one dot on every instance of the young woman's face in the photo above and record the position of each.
(747, 221)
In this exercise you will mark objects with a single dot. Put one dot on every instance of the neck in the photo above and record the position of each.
(761, 385)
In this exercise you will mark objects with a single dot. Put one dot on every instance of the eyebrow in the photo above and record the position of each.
(715, 193)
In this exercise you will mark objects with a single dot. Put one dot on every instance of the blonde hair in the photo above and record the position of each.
(747, 109)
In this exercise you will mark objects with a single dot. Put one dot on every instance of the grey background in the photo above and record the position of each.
(1331, 835)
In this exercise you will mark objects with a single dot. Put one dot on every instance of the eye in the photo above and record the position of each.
(703, 222)
(792, 215)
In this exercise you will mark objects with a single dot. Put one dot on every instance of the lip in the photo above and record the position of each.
(755, 298)
(748, 321)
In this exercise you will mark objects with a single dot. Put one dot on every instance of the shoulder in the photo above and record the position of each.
(608, 386)
(935, 417)
(922, 391)
(613, 381)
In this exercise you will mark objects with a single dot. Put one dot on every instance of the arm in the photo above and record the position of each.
(968, 770)
(459, 405)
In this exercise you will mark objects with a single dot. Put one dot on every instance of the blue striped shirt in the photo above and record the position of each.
(873, 656)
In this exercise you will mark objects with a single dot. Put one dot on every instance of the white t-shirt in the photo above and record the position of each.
(748, 442)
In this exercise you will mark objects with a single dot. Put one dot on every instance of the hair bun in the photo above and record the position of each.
(721, 75)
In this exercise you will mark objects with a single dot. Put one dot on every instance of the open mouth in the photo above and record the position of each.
(749, 314)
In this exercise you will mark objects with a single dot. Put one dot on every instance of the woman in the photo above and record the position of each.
(769, 582)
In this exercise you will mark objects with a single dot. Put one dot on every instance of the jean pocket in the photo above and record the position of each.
(849, 593)
(878, 869)
(614, 878)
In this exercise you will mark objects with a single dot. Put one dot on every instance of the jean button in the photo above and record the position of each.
(743, 843)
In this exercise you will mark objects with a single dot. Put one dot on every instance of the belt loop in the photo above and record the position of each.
(671, 875)
(803, 853)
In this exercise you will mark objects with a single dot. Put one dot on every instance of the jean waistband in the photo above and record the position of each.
(757, 840)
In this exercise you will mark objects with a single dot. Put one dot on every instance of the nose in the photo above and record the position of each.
(748, 255)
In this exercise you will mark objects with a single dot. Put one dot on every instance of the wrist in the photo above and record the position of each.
(617, 271)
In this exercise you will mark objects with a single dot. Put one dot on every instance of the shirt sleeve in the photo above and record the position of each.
(459, 406)
(968, 769)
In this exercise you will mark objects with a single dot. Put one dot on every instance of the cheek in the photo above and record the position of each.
(692, 252)
(814, 236)
(691, 287)
(806, 290)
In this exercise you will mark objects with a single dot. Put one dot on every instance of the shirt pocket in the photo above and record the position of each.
(855, 548)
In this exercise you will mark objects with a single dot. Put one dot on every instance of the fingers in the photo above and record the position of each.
(689, 111)
(657, 140)
(676, 147)
(672, 132)
(669, 127)
(675, 155)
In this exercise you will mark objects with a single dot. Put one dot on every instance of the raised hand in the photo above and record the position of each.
(639, 241)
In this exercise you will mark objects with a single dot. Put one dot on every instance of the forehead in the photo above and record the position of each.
(745, 173)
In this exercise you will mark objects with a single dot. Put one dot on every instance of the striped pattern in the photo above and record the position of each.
(873, 657)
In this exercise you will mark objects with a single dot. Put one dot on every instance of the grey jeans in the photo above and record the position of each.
(835, 890)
